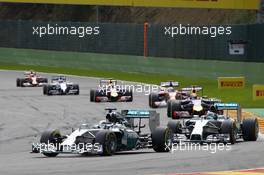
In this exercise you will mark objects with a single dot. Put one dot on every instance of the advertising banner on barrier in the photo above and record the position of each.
(231, 82)
(258, 92)
(215, 4)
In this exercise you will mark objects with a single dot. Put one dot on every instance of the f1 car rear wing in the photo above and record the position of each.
(190, 88)
(108, 81)
(153, 116)
(170, 84)
(26, 73)
(228, 107)
(193, 89)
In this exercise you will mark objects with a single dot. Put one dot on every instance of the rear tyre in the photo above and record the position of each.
(250, 129)
(153, 97)
(229, 127)
(162, 139)
(92, 95)
(51, 137)
(78, 90)
(129, 93)
(173, 105)
(108, 141)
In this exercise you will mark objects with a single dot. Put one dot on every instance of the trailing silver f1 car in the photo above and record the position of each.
(110, 91)
(31, 79)
(216, 126)
(189, 103)
(60, 86)
(119, 132)
(167, 92)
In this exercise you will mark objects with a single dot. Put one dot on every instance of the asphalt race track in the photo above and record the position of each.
(25, 113)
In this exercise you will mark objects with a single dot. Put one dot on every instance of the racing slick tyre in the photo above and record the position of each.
(229, 127)
(108, 141)
(173, 105)
(48, 90)
(77, 88)
(175, 126)
(250, 129)
(51, 137)
(153, 97)
(18, 82)
(129, 93)
(92, 95)
(45, 90)
(44, 80)
(162, 139)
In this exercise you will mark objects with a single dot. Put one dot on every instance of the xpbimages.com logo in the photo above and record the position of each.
(182, 30)
(80, 31)
(73, 148)
(191, 146)
(146, 89)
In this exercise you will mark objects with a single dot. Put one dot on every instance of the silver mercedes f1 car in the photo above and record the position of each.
(217, 126)
(120, 131)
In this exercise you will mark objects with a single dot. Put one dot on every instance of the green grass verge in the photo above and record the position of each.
(140, 69)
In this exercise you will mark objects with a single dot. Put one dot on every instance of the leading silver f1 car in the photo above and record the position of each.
(216, 126)
(119, 132)
(60, 86)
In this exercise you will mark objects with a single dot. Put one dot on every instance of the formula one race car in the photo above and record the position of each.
(110, 91)
(190, 103)
(117, 133)
(167, 92)
(216, 126)
(60, 86)
(31, 79)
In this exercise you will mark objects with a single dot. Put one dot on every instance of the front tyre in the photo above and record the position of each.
(108, 141)
(229, 127)
(51, 137)
(45, 89)
(18, 82)
(92, 95)
(162, 139)
(175, 126)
